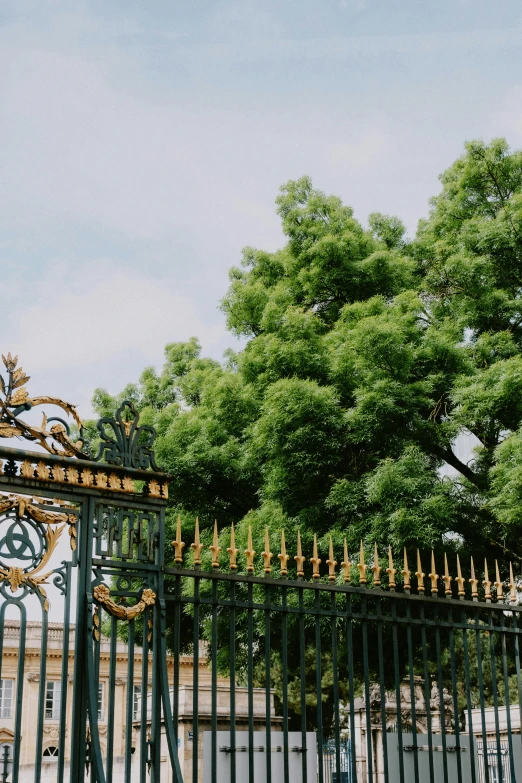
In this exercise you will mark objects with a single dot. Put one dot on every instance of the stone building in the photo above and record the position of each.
(12, 667)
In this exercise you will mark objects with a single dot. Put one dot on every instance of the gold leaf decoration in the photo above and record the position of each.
(102, 595)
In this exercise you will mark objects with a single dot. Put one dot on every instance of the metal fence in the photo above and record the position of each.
(125, 660)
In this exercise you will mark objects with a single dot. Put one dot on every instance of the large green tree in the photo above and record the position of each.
(367, 357)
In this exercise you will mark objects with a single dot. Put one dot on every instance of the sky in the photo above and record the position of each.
(142, 145)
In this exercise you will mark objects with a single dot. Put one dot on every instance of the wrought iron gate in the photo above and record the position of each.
(123, 658)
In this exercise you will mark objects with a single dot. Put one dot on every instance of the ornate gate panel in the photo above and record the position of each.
(81, 542)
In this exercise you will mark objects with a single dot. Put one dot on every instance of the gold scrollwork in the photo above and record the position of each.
(54, 438)
(102, 595)
(56, 522)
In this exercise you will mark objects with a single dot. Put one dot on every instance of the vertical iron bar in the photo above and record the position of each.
(397, 674)
(495, 696)
(268, 694)
(130, 705)
(454, 694)
(337, 733)
(517, 666)
(232, 682)
(111, 697)
(464, 621)
(318, 685)
(41, 695)
(351, 686)
(382, 693)
(482, 700)
(250, 684)
(144, 699)
(302, 672)
(65, 673)
(427, 693)
(441, 697)
(507, 697)
(81, 642)
(369, 745)
(213, 771)
(177, 653)
(286, 775)
(195, 684)
(19, 676)
(412, 693)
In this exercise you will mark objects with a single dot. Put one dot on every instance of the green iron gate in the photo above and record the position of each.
(127, 658)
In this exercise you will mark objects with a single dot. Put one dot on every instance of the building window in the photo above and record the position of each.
(101, 700)
(52, 751)
(52, 700)
(136, 702)
(6, 698)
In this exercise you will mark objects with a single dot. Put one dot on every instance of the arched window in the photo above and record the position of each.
(52, 751)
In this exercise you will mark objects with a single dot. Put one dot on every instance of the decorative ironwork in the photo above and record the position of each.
(102, 595)
(55, 438)
(124, 442)
(30, 534)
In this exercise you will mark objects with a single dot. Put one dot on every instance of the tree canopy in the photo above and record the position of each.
(367, 356)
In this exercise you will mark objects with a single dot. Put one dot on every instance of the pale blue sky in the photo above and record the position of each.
(143, 144)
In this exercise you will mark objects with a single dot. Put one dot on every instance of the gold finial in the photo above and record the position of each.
(267, 555)
(486, 582)
(391, 571)
(361, 565)
(512, 586)
(447, 578)
(315, 560)
(197, 546)
(376, 567)
(434, 576)
(473, 582)
(498, 583)
(331, 563)
(249, 552)
(232, 550)
(215, 548)
(299, 558)
(282, 556)
(178, 543)
(419, 574)
(406, 573)
(346, 565)
(460, 580)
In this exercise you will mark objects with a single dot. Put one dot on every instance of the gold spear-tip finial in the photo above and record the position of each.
(434, 577)
(197, 546)
(376, 568)
(215, 548)
(299, 558)
(249, 552)
(498, 583)
(267, 555)
(315, 560)
(460, 581)
(447, 578)
(473, 582)
(282, 556)
(178, 543)
(419, 574)
(346, 565)
(512, 586)
(391, 571)
(486, 582)
(232, 549)
(331, 563)
(406, 573)
(361, 565)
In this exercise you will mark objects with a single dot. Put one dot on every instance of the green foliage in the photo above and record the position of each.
(367, 354)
